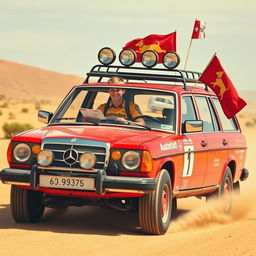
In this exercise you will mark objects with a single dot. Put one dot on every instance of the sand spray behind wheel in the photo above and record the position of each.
(213, 212)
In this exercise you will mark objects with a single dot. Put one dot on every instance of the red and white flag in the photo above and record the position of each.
(217, 79)
(199, 30)
(158, 43)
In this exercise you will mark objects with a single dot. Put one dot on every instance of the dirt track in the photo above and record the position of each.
(199, 229)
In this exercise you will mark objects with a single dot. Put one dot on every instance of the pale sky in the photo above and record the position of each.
(65, 36)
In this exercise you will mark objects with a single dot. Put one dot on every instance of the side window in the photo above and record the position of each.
(188, 109)
(228, 124)
(205, 114)
(214, 116)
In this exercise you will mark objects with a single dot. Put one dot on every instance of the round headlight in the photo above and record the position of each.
(45, 157)
(106, 56)
(149, 58)
(127, 57)
(171, 60)
(131, 160)
(22, 152)
(87, 160)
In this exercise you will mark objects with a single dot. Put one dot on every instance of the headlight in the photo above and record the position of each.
(87, 160)
(149, 58)
(171, 60)
(131, 160)
(22, 152)
(106, 56)
(127, 57)
(45, 157)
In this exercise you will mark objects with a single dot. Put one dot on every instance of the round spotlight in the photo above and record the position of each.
(149, 58)
(127, 57)
(45, 157)
(171, 60)
(87, 160)
(106, 56)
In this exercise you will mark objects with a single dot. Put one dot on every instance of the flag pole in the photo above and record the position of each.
(205, 69)
(188, 53)
(209, 62)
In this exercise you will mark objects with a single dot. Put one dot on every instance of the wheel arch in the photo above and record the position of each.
(232, 166)
(169, 166)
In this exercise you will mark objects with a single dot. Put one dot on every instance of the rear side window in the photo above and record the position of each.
(188, 109)
(227, 124)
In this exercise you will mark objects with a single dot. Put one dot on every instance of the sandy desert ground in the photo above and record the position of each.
(200, 229)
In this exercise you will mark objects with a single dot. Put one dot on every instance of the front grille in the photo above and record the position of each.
(61, 148)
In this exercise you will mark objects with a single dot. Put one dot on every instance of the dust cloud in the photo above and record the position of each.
(213, 213)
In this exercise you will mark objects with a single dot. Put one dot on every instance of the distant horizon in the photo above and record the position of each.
(83, 77)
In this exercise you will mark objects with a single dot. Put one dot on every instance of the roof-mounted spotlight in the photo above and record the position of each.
(149, 58)
(106, 56)
(171, 60)
(127, 57)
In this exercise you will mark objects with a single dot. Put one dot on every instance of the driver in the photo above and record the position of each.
(118, 108)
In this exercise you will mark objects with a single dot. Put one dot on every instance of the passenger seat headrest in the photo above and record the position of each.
(167, 112)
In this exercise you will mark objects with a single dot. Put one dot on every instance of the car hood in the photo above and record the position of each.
(116, 136)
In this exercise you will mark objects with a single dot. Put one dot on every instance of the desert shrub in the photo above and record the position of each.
(1, 112)
(37, 105)
(254, 120)
(2, 97)
(11, 116)
(249, 124)
(4, 105)
(24, 110)
(14, 128)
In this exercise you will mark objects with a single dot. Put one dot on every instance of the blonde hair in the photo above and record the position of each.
(116, 80)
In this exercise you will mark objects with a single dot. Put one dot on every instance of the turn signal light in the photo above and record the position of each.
(146, 162)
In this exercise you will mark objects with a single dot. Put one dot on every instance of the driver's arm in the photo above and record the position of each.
(136, 113)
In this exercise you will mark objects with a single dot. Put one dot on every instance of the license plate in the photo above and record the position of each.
(50, 181)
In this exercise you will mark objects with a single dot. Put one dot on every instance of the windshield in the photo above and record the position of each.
(144, 108)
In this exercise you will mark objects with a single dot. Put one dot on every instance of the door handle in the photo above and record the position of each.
(203, 143)
(225, 142)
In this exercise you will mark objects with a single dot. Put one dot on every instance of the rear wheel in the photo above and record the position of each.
(225, 190)
(155, 208)
(26, 205)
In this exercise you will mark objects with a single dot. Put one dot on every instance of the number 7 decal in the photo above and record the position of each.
(188, 161)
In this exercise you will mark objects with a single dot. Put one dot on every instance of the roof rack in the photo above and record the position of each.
(140, 73)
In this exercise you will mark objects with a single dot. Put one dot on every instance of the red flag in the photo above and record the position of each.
(199, 30)
(217, 79)
(158, 43)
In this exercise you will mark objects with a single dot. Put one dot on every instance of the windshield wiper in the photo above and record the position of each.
(74, 118)
(65, 118)
(116, 121)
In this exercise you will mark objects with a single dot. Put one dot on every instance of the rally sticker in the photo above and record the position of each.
(188, 161)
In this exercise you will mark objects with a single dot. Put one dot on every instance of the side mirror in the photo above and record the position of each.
(193, 126)
(44, 116)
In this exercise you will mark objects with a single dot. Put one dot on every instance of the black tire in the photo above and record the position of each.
(26, 205)
(225, 190)
(155, 208)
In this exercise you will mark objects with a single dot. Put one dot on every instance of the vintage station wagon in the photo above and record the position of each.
(189, 148)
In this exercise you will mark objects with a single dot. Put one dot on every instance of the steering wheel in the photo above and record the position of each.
(145, 117)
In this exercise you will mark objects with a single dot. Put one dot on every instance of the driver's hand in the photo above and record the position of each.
(122, 120)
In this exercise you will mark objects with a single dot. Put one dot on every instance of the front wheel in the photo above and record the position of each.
(26, 205)
(155, 208)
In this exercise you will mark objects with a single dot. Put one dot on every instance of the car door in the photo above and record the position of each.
(195, 144)
(216, 141)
